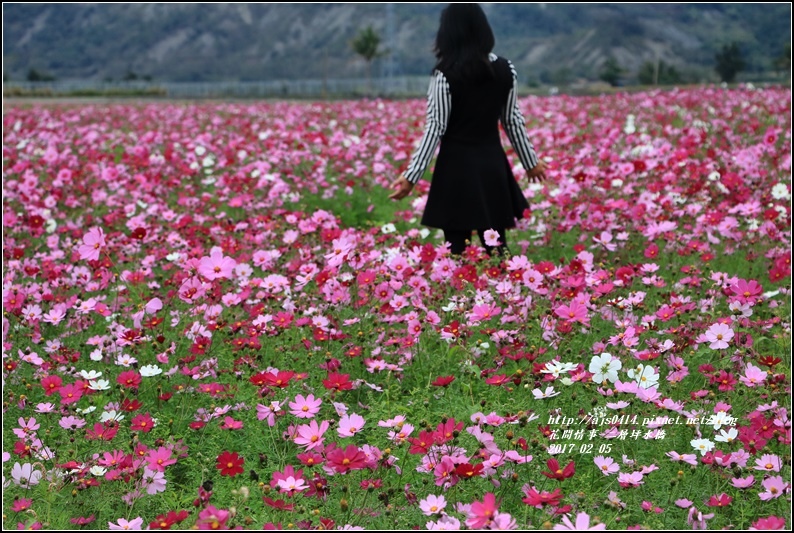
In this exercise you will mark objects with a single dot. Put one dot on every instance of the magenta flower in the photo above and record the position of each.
(481, 513)
(212, 518)
(231, 423)
(93, 242)
(770, 523)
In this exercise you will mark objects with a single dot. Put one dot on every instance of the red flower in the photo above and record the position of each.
(539, 499)
(769, 360)
(468, 471)
(165, 521)
(338, 382)
(443, 381)
(230, 464)
(281, 505)
(557, 472)
(422, 443)
(129, 379)
(447, 431)
(351, 458)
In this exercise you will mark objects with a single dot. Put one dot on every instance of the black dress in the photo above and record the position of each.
(473, 186)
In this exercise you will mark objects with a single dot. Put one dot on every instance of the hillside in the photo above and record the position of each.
(549, 43)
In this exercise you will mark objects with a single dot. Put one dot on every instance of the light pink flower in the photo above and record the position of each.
(134, 524)
(775, 487)
(753, 376)
(719, 335)
(491, 237)
(349, 425)
(582, 524)
(432, 505)
(606, 465)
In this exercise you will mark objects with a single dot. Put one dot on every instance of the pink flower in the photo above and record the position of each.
(632, 479)
(576, 312)
(349, 425)
(291, 486)
(689, 458)
(212, 518)
(305, 407)
(93, 241)
(768, 463)
(157, 460)
(607, 465)
(742, 483)
(481, 513)
(719, 336)
(582, 524)
(216, 265)
(311, 436)
(269, 412)
(432, 505)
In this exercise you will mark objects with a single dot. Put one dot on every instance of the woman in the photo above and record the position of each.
(471, 90)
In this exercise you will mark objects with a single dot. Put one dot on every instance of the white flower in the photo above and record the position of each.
(98, 471)
(111, 415)
(87, 410)
(388, 228)
(727, 436)
(780, 192)
(720, 419)
(645, 376)
(548, 393)
(89, 375)
(702, 445)
(604, 367)
(150, 370)
(200, 151)
(556, 368)
(99, 384)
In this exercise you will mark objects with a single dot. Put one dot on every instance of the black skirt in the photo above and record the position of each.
(473, 187)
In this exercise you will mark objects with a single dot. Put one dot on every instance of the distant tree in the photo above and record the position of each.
(783, 61)
(611, 72)
(658, 73)
(130, 76)
(367, 45)
(729, 62)
(35, 75)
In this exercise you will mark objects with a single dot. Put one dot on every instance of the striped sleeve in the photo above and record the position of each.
(515, 127)
(439, 103)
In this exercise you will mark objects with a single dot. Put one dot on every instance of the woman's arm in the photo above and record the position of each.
(439, 103)
(515, 127)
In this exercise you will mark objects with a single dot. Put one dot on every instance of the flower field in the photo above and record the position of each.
(214, 318)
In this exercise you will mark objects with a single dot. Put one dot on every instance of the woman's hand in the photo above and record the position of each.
(401, 187)
(538, 172)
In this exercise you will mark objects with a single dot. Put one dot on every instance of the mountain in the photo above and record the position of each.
(548, 43)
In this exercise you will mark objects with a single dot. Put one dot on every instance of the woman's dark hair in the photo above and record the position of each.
(463, 43)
